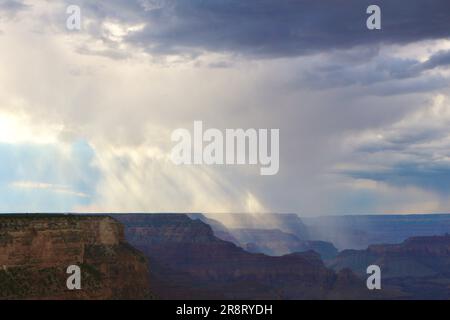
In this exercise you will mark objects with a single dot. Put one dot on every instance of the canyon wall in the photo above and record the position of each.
(35, 251)
(189, 262)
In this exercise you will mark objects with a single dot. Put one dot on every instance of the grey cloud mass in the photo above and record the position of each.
(413, 151)
(267, 28)
(364, 116)
(9, 8)
(386, 74)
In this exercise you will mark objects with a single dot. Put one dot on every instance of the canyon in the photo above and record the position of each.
(419, 266)
(35, 251)
(271, 234)
(190, 262)
(194, 256)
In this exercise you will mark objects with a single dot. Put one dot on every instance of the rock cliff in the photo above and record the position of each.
(194, 264)
(419, 266)
(35, 251)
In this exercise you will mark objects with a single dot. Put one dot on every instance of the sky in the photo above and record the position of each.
(86, 116)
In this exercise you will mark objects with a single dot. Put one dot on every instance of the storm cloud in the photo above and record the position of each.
(267, 28)
(363, 115)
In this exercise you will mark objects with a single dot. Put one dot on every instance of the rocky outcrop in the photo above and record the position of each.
(35, 251)
(287, 222)
(419, 266)
(417, 257)
(271, 241)
(276, 243)
(219, 229)
(193, 263)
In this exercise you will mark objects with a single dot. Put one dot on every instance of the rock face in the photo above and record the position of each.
(194, 264)
(415, 257)
(219, 229)
(274, 242)
(288, 223)
(35, 251)
(419, 266)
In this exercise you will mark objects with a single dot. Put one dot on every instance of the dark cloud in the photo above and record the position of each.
(114, 102)
(387, 75)
(268, 28)
(442, 58)
(434, 177)
(401, 141)
(11, 7)
(412, 152)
